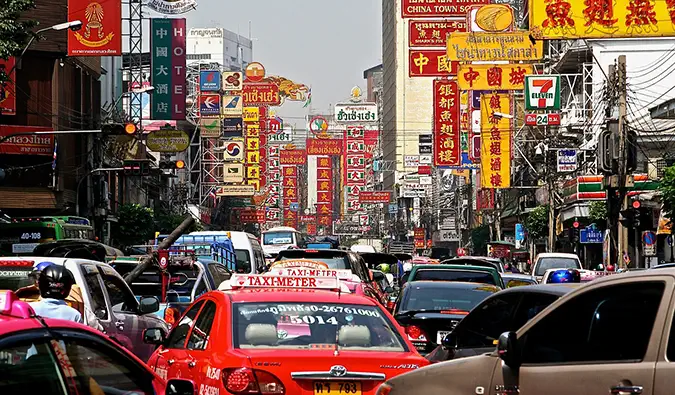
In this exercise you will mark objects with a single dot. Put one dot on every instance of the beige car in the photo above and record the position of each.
(611, 336)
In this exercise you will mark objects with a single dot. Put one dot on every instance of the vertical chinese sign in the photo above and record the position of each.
(101, 30)
(167, 46)
(446, 123)
(324, 194)
(273, 214)
(290, 195)
(355, 166)
(253, 155)
(495, 156)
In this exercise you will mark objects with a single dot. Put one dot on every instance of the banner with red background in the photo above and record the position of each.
(446, 124)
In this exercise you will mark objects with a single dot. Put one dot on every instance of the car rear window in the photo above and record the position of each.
(150, 283)
(306, 326)
(556, 263)
(454, 275)
(444, 298)
(334, 260)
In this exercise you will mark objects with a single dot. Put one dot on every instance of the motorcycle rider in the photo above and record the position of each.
(55, 283)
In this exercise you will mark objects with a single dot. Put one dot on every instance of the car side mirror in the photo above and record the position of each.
(389, 290)
(180, 387)
(148, 304)
(154, 336)
(509, 350)
(449, 342)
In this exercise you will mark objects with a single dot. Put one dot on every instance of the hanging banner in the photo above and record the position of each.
(434, 8)
(490, 47)
(430, 63)
(8, 90)
(324, 146)
(602, 19)
(495, 156)
(261, 94)
(167, 47)
(493, 76)
(101, 31)
(172, 7)
(446, 124)
(433, 32)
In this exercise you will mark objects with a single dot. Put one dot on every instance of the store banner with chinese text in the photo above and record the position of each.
(572, 19)
(290, 195)
(446, 124)
(430, 63)
(433, 32)
(495, 156)
(101, 30)
(354, 165)
(493, 76)
(167, 47)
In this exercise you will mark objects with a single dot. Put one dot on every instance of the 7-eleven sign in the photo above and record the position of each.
(356, 175)
(542, 92)
(356, 161)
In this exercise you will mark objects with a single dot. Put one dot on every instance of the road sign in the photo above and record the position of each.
(591, 235)
(542, 119)
(542, 92)
(649, 243)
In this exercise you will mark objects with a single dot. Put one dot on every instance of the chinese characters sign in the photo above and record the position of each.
(566, 19)
(430, 63)
(446, 123)
(168, 68)
(493, 76)
(101, 32)
(324, 146)
(433, 32)
(489, 47)
(293, 157)
(435, 8)
(264, 94)
(495, 156)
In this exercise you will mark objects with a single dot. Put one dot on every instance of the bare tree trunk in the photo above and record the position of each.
(166, 243)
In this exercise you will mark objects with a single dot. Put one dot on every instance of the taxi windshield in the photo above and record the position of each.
(306, 326)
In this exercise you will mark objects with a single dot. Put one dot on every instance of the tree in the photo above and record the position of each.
(166, 222)
(135, 225)
(537, 222)
(480, 236)
(14, 34)
(597, 213)
(667, 190)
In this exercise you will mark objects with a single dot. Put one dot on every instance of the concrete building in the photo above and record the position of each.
(218, 45)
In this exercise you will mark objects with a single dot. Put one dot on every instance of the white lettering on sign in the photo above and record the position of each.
(207, 390)
(295, 263)
(297, 272)
(284, 282)
(212, 373)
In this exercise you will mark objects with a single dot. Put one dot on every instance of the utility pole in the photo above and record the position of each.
(623, 201)
(613, 206)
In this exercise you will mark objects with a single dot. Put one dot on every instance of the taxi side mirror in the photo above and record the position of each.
(180, 387)
(508, 349)
(449, 342)
(154, 336)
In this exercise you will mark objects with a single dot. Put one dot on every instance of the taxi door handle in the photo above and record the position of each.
(191, 364)
(626, 390)
(170, 362)
(119, 325)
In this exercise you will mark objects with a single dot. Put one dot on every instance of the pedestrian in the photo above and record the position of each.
(55, 283)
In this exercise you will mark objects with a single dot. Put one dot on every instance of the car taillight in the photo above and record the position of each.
(251, 381)
(171, 315)
(391, 304)
(415, 333)
(384, 389)
(455, 312)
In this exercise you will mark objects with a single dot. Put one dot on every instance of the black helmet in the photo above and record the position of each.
(55, 282)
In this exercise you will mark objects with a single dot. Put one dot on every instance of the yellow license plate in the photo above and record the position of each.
(337, 387)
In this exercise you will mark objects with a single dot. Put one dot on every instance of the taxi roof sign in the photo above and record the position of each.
(243, 281)
(341, 274)
(295, 263)
(12, 306)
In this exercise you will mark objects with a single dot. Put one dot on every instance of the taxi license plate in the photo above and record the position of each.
(441, 335)
(337, 387)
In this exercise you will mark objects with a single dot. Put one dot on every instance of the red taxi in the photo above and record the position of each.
(46, 356)
(274, 334)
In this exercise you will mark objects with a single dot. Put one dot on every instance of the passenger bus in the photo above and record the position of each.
(23, 234)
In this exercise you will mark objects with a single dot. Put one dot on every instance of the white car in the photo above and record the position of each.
(554, 260)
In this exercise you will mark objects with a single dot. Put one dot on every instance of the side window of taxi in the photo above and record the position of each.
(29, 367)
(121, 297)
(587, 328)
(199, 337)
(179, 334)
(93, 280)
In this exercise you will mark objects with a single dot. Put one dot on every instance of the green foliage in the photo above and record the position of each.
(135, 225)
(597, 213)
(480, 237)
(537, 222)
(166, 222)
(14, 34)
(667, 190)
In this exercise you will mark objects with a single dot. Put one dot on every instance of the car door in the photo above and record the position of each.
(172, 360)
(97, 300)
(665, 367)
(199, 348)
(603, 340)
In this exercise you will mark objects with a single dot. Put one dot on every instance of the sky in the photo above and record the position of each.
(324, 44)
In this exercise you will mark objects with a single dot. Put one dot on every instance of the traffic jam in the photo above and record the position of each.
(331, 321)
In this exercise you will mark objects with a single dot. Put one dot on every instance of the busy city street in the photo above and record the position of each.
(355, 197)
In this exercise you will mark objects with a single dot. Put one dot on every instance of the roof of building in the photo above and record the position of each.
(373, 69)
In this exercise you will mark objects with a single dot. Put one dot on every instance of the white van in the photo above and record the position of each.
(249, 253)
(280, 238)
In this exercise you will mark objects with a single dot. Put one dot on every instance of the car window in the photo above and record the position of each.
(587, 328)
(223, 272)
(487, 321)
(545, 264)
(243, 258)
(98, 304)
(217, 279)
(531, 305)
(670, 352)
(199, 337)
(442, 298)
(201, 288)
(95, 368)
(454, 275)
(178, 336)
(29, 367)
(121, 297)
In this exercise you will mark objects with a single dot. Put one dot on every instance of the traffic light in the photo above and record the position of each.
(172, 164)
(136, 168)
(119, 129)
(574, 232)
(627, 218)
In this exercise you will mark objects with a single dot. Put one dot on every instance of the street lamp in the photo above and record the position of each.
(73, 25)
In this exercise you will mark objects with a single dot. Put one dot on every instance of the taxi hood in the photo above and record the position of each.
(456, 377)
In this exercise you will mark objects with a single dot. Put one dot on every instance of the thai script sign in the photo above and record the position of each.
(292, 157)
(261, 94)
(489, 47)
(351, 113)
(433, 32)
(324, 146)
(375, 197)
(101, 31)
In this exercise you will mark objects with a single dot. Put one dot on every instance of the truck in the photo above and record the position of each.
(614, 335)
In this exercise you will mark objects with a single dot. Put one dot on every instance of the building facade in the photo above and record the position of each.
(218, 45)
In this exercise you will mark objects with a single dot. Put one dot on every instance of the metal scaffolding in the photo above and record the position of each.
(135, 59)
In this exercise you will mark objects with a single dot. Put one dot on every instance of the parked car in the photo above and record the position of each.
(109, 304)
(504, 311)
(429, 310)
(466, 273)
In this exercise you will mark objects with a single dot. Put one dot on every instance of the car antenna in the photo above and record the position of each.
(336, 352)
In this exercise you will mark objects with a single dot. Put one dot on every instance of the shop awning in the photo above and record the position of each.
(28, 198)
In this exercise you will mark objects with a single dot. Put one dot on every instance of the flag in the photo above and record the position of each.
(212, 193)
(56, 146)
(309, 99)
